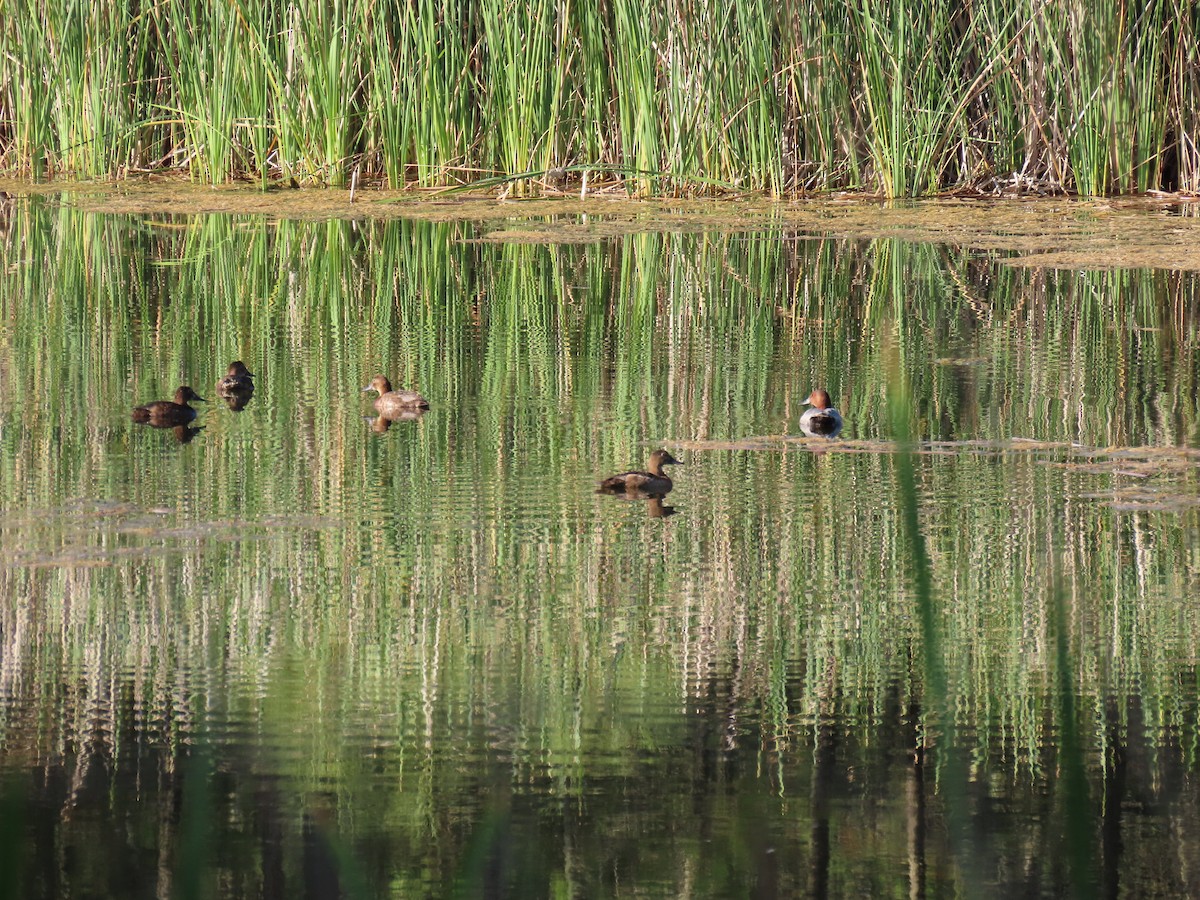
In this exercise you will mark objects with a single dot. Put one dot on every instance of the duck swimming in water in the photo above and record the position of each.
(236, 380)
(236, 387)
(168, 414)
(653, 483)
(394, 404)
(822, 420)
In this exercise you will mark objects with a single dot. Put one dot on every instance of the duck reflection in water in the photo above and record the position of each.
(653, 484)
(185, 433)
(181, 433)
(238, 402)
(236, 388)
(381, 423)
(655, 508)
(822, 420)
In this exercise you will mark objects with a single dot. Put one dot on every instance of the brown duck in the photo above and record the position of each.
(168, 414)
(655, 482)
(237, 380)
(394, 404)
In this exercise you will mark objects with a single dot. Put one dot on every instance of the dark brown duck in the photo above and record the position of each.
(237, 380)
(236, 387)
(168, 414)
(654, 482)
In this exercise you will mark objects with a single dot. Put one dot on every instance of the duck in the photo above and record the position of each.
(652, 483)
(236, 380)
(167, 413)
(822, 420)
(236, 387)
(394, 404)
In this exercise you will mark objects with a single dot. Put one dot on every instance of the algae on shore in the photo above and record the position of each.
(1143, 232)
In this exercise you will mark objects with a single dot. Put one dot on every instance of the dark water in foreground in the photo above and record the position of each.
(299, 653)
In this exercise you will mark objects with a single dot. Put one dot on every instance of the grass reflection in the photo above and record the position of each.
(421, 646)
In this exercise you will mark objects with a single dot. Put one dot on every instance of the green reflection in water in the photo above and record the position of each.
(429, 659)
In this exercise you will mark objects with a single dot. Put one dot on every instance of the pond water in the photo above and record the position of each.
(293, 650)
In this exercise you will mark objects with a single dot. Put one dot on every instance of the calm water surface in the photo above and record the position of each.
(300, 652)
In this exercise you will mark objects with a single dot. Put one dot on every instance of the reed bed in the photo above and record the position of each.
(893, 98)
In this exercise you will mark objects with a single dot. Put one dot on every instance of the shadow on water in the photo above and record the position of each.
(14, 820)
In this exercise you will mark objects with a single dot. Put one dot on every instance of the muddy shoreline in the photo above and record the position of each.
(1115, 233)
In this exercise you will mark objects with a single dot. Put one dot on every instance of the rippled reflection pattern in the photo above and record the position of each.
(306, 650)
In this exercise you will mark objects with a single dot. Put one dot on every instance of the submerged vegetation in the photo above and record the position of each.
(892, 97)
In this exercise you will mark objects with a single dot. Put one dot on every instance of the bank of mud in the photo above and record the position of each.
(1141, 232)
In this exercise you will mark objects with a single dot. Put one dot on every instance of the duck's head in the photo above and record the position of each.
(380, 384)
(184, 394)
(660, 458)
(819, 398)
(238, 370)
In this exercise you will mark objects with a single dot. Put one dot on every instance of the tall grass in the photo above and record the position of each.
(523, 82)
(200, 48)
(896, 98)
(908, 88)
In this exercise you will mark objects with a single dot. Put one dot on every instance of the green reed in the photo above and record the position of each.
(635, 69)
(199, 45)
(74, 99)
(894, 59)
(524, 79)
(902, 100)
